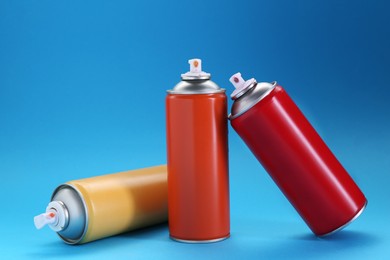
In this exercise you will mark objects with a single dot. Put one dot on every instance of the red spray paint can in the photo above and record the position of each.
(197, 151)
(295, 156)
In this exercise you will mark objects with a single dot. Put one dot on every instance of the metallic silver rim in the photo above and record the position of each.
(66, 214)
(74, 241)
(242, 92)
(170, 91)
(231, 117)
(199, 241)
(346, 224)
(195, 86)
(195, 77)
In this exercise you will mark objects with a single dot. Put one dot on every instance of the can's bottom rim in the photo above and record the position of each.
(346, 224)
(199, 241)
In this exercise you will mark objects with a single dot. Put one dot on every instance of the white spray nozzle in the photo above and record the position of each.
(44, 219)
(56, 216)
(195, 69)
(240, 84)
(237, 80)
(195, 65)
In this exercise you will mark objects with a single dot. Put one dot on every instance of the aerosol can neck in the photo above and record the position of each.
(195, 71)
(241, 85)
(56, 216)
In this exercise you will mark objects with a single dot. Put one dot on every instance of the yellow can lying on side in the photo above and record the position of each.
(85, 210)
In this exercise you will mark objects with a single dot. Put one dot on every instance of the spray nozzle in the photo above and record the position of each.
(195, 70)
(240, 84)
(195, 65)
(44, 219)
(56, 216)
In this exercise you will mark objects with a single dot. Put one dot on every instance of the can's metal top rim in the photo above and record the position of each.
(201, 77)
(196, 86)
(252, 101)
(67, 240)
(243, 91)
(171, 91)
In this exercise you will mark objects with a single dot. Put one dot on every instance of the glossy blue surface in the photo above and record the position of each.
(82, 88)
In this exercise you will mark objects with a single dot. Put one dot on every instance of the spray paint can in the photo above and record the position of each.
(85, 210)
(198, 181)
(295, 156)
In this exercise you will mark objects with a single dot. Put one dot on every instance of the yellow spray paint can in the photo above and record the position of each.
(85, 210)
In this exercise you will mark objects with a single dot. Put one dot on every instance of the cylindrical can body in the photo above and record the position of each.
(299, 161)
(198, 184)
(111, 204)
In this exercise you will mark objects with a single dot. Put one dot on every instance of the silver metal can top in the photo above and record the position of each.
(247, 94)
(196, 87)
(73, 201)
(196, 81)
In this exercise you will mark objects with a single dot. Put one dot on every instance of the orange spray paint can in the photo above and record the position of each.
(85, 210)
(198, 179)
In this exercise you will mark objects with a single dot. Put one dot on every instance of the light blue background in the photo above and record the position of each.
(82, 87)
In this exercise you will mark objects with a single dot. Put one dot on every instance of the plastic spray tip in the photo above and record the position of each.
(195, 70)
(44, 219)
(240, 84)
(195, 65)
(237, 80)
